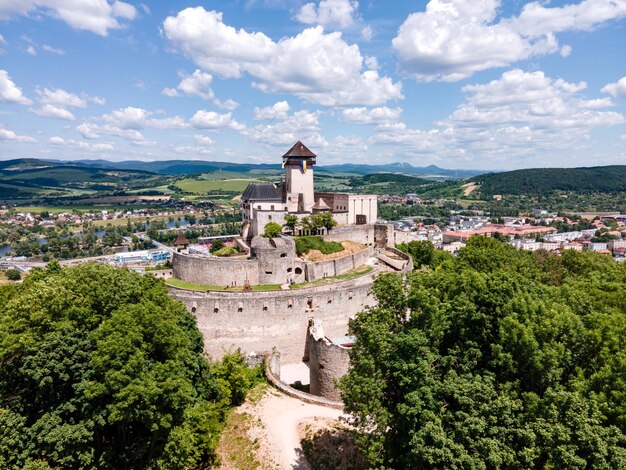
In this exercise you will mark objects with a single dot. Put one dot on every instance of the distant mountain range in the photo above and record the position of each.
(185, 167)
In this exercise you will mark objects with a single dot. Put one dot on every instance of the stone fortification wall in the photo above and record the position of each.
(408, 258)
(260, 321)
(328, 362)
(214, 271)
(358, 233)
(334, 267)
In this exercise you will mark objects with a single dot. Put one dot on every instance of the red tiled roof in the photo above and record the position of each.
(181, 239)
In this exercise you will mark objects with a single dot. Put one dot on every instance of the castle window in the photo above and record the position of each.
(216, 308)
(272, 208)
(268, 272)
(309, 302)
(240, 308)
(270, 217)
(298, 271)
(290, 303)
(283, 255)
(265, 306)
(289, 270)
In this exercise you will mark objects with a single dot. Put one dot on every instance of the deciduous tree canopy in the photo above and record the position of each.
(99, 368)
(497, 358)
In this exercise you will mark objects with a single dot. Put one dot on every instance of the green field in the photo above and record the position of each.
(200, 186)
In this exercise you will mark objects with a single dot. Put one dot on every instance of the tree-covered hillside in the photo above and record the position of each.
(496, 358)
(99, 368)
(540, 181)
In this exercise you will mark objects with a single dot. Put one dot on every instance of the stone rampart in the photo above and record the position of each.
(334, 267)
(261, 321)
(357, 233)
(214, 271)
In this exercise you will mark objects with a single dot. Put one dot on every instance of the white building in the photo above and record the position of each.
(295, 195)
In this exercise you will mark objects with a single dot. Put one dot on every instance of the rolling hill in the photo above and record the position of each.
(538, 181)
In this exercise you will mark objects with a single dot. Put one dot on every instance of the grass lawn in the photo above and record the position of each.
(202, 185)
(315, 242)
(205, 287)
(352, 274)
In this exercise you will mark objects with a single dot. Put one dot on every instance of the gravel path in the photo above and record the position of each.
(280, 416)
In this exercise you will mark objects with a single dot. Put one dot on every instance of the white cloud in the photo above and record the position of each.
(53, 111)
(60, 97)
(452, 39)
(196, 84)
(378, 115)
(211, 120)
(97, 16)
(617, 89)
(171, 92)
(301, 125)
(515, 120)
(9, 92)
(229, 105)
(95, 131)
(98, 147)
(8, 135)
(31, 50)
(327, 12)
(127, 118)
(2, 40)
(203, 140)
(317, 67)
(278, 110)
(53, 50)
(367, 33)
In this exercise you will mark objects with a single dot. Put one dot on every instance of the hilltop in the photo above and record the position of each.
(540, 181)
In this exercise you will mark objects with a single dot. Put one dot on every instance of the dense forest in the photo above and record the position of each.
(495, 358)
(541, 181)
(99, 368)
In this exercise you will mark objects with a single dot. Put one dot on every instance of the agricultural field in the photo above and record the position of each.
(202, 186)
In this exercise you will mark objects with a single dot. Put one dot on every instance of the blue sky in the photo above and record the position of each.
(481, 84)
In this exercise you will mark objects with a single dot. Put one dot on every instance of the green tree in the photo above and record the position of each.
(291, 222)
(272, 230)
(498, 359)
(13, 275)
(99, 368)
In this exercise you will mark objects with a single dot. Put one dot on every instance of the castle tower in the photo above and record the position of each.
(298, 163)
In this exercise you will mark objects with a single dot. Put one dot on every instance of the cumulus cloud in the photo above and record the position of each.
(97, 16)
(229, 105)
(452, 39)
(203, 119)
(301, 125)
(11, 136)
(98, 147)
(53, 111)
(315, 66)
(520, 116)
(9, 92)
(617, 89)
(196, 84)
(378, 115)
(60, 97)
(329, 12)
(278, 110)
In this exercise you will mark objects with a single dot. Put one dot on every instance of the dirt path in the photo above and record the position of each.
(281, 416)
(276, 426)
(468, 188)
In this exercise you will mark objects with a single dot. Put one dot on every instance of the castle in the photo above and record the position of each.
(266, 297)
(262, 203)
